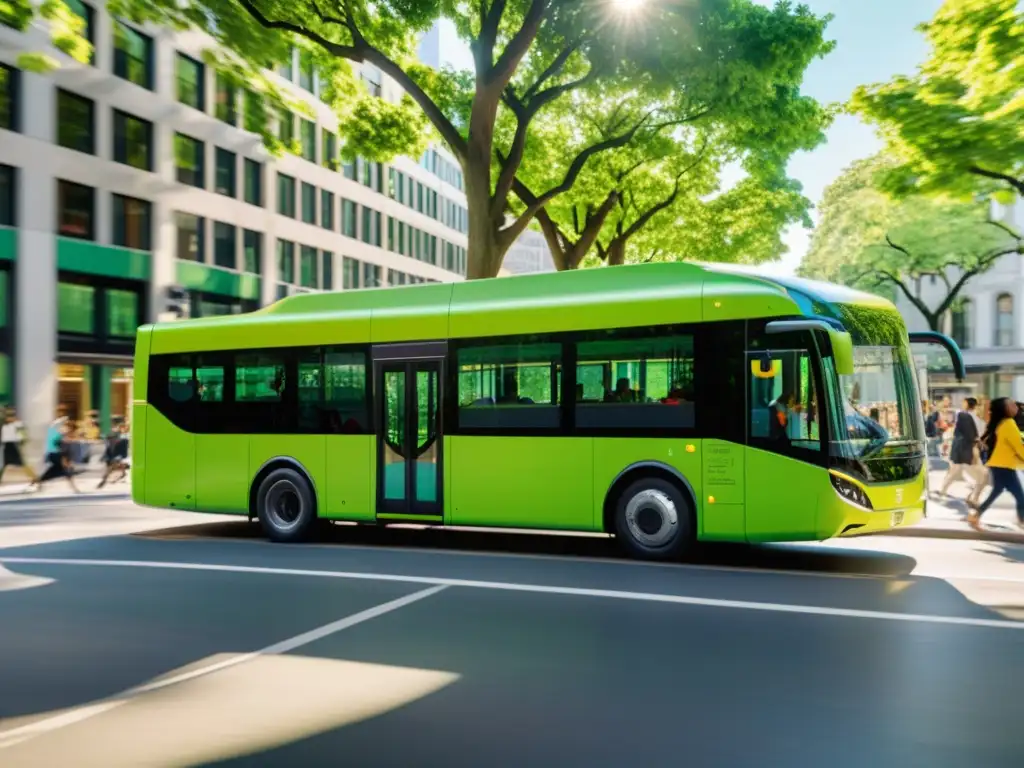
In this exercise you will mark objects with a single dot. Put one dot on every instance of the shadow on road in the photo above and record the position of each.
(766, 557)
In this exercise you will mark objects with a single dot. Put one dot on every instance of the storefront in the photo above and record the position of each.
(6, 335)
(97, 318)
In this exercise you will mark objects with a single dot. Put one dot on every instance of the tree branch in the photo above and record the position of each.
(895, 247)
(490, 21)
(501, 73)
(553, 69)
(920, 305)
(1006, 228)
(513, 230)
(1014, 182)
(337, 49)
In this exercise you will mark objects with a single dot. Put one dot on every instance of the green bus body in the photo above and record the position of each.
(737, 488)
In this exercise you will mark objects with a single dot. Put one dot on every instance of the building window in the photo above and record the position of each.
(224, 236)
(285, 195)
(254, 114)
(9, 82)
(286, 128)
(349, 273)
(252, 245)
(76, 207)
(76, 122)
(286, 68)
(189, 159)
(307, 267)
(226, 163)
(306, 70)
(307, 140)
(191, 236)
(329, 151)
(963, 323)
(122, 313)
(86, 14)
(253, 182)
(513, 386)
(7, 197)
(1004, 320)
(372, 77)
(371, 276)
(348, 169)
(133, 141)
(133, 55)
(371, 175)
(326, 209)
(132, 223)
(226, 98)
(327, 271)
(76, 309)
(308, 203)
(371, 226)
(190, 82)
(348, 218)
(285, 261)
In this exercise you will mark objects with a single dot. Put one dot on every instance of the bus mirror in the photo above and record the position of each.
(842, 351)
(955, 355)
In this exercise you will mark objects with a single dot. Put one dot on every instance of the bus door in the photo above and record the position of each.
(407, 396)
(784, 456)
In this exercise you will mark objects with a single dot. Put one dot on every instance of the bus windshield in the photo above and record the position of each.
(879, 401)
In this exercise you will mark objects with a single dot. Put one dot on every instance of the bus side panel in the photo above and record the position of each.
(783, 496)
(138, 448)
(722, 503)
(308, 450)
(222, 473)
(524, 482)
(349, 469)
(170, 460)
(614, 454)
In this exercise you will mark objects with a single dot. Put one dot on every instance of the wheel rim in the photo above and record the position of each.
(284, 505)
(652, 518)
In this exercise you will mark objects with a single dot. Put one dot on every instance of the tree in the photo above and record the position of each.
(867, 239)
(682, 58)
(955, 125)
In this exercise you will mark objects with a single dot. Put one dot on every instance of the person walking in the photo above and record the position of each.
(57, 462)
(964, 455)
(1005, 447)
(12, 436)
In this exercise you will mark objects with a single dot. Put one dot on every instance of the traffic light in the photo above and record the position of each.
(179, 302)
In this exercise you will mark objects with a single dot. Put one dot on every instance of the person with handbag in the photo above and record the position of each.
(1005, 447)
(964, 454)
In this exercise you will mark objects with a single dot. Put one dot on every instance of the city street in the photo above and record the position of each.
(135, 636)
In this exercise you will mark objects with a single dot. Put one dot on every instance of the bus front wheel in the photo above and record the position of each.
(284, 505)
(653, 520)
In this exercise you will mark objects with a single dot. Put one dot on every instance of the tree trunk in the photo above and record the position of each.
(484, 255)
(616, 252)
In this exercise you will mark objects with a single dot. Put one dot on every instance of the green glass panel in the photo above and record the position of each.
(122, 313)
(394, 432)
(75, 308)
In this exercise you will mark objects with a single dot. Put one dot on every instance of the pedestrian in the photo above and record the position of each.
(12, 436)
(116, 454)
(58, 464)
(964, 454)
(1005, 447)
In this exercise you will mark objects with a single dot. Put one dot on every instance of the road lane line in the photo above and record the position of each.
(18, 735)
(532, 588)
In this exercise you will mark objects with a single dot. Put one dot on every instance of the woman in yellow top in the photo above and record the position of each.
(1005, 447)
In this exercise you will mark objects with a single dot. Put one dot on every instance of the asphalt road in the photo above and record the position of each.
(132, 637)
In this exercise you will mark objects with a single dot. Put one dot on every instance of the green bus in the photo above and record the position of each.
(662, 403)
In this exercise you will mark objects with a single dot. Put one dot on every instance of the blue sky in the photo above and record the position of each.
(875, 39)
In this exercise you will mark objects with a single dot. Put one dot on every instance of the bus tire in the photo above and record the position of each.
(285, 506)
(653, 519)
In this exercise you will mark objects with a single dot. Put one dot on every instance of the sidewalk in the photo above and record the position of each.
(947, 517)
(14, 488)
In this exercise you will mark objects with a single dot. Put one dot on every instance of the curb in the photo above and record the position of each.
(966, 534)
(35, 499)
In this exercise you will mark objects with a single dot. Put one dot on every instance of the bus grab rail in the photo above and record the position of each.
(934, 337)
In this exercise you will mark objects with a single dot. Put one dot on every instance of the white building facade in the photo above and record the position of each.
(988, 323)
(130, 187)
(528, 254)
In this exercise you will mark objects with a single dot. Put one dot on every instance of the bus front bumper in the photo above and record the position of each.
(859, 521)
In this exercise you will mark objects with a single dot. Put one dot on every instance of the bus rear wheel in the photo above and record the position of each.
(653, 520)
(284, 505)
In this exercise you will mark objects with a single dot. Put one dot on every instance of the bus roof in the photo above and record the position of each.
(626, 296)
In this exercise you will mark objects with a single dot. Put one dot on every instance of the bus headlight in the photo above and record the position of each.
(852, 492)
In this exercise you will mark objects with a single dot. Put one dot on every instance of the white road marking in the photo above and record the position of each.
(533, 588)
(18, 735)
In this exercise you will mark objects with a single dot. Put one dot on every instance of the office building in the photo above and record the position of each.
(131, 191)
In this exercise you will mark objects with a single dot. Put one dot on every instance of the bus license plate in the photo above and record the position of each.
(897, 519)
